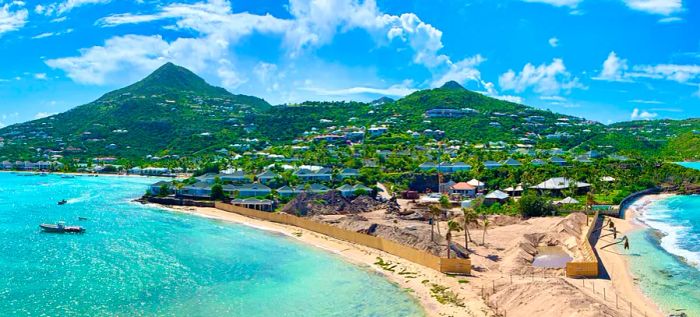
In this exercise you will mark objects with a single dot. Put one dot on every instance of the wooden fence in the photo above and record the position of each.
(588, 266)
(445, 265)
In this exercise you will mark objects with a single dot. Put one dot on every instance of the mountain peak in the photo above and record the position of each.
(173, 78)
(452, 85)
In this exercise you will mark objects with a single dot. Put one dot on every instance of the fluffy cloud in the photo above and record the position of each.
(42, 115)
(642, 115)
(546, 79)
(662, 7)
(399, 90)
(13, 17)
(613, 68)
(217, 29)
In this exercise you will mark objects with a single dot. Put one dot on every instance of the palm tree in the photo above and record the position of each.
(486, 225)
(451, 226)
(469, 218)
(435, 213)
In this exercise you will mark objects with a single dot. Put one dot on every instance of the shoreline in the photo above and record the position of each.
(414, 282)
(617, 262)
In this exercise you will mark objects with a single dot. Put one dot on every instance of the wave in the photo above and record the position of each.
(82, 198)
(659, 217)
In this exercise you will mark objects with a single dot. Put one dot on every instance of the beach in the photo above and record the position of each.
(616, 260)
(366, 257)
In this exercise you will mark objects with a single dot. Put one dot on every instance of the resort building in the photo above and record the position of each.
(351, 191)
(480, 186)
(463, 189)
(199, 190)
(266, 177)
(492, 165)
(257, 204)
(495, 196)
(556, 186)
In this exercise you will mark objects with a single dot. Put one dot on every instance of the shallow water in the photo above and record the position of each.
(553, 257)
(666, 257)
(136, 260)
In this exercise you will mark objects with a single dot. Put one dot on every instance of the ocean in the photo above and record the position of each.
(136, 260)
(666, 256)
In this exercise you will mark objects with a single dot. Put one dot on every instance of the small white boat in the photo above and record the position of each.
(61, 227)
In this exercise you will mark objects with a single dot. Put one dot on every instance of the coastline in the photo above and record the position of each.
(617, 262)
(415, 283)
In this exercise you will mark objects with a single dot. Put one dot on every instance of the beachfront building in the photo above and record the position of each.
(349, 173)
(566, 201)
(247, 190)
(155, 189)
(199, 190)
(351, 191)
(234, 177)
(556, 186)
(514, 191)
(321, 175)
(257, 204)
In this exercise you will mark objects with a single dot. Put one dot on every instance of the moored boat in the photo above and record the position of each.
(61, 227)
(62, 202)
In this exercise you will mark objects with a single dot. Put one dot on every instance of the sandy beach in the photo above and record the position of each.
(418, 280)
(616, 261)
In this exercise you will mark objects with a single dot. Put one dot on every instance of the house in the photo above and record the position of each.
(247, 190)
(267, 176)
(583, 159)
(377, 131)
(234, 177)
(287, 191)
(320, 175)
(427, 166)
(566, 201)
(495, 196)
(445, 187)
(349, 173)
(512, 162)
(199, 190)
(317, 188)
(537, 162)
(155, 189)
(257, 204)
(351, 191)
(492, 165)
(463, 189)
(445, 113)
(558, 161)
(555, 186)
(209, 178)
(515, 191)
(476, 183)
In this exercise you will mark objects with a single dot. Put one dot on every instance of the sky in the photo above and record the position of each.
(605, 60)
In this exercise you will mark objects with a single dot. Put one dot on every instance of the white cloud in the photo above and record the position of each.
(553, 98)
(642, 115)
(648, 102)
(40, 76)
(613, 69)
(43, 35)
(546, 79)
(13, 17)
(65, 6)
(394, 91)
(42, 115)
(217, 29)
(661, 7)
(462, 71)
(670, 20)
(673, 72)
(553, 42)
(558, 3)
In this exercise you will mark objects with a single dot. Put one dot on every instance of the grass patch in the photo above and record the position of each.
(387, 266)
(445, 296)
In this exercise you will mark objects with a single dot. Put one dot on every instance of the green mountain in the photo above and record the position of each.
(170, 111)
(175, 112)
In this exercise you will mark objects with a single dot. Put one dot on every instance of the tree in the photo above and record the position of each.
(451, 226)
(445, 202)
(164, 190)
(435, 213)
(486, 225)
(217, 192)
(469, 218)
(534, 206)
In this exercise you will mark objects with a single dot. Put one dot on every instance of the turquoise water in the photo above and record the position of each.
(666, 258)
(693, 165)
(136, 260)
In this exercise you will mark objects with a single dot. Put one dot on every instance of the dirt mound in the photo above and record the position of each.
(330, 203)
(553, 297)
(418, 238)
(566, 234)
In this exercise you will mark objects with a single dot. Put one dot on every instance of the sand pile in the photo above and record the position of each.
(537, 299)
(416, 237)
(330, 203)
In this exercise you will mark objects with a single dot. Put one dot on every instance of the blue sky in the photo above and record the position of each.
(607, 60)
